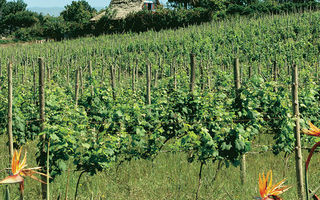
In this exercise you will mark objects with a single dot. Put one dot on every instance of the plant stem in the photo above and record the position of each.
(199, 182)
(76, 194)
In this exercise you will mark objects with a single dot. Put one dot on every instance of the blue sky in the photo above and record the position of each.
(54, 7)
(62, 3)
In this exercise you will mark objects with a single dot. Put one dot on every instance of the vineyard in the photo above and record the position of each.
(192, 113)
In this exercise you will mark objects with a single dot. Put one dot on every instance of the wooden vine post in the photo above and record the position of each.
(193, 72)
(113, 83)
(119, 76)
(16, 71)
(275, 71)
(0, 70)
(81, 80)
(48, 74)
(148, 77)
(43, 152)
(288, 67)
(9, 130)
(156, 78)
(91, 79)
(237, 81)
(208, 77)
(192, 86)
(23, 73)
(76, 96)
(161, 68)
(137, 71)
(133, 78)
(175, 77)
(298, 155)
(68, 72)
(202, 76)
(317, 70)
(34, 83)
(102, 73)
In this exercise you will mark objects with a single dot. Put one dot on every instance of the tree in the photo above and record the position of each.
(214, 5)
(21, 19)
(12, 7)
(54, 27)
(78, 11)
(2, 4)
(8, 10)
(179, 3)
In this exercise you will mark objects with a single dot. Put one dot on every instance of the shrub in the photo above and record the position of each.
(23, 34)
(165, 18)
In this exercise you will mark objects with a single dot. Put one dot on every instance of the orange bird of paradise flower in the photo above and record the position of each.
(18, 171)
(313, 131)
(269, 191)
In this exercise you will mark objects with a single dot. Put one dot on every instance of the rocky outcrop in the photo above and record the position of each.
(122, 8)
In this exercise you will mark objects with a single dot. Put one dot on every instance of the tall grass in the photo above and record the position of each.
(169, 176)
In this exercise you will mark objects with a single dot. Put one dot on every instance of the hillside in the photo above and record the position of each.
(191, 113)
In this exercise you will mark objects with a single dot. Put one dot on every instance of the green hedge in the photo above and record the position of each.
(147, 20)
(57, 28)
(270, 8)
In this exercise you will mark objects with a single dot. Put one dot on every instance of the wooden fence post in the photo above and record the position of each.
(68, 73)
(10, 137)
(161, 68)
(81, 80)
(275, 71)
(76, 96)
(193, 72)
(48, 73)
(0, 69)
(43, 153)
(298, 155)
(202, 76)
(137, 71)
(119, 76)
(156, 78)
(102, 72)
(237, 78)
(208, 77)
(317, 72)
(175, 77)
(113, 84)
(16, 71)
(23, 74)
(288, 67)
(34, 83)
(237, 81)
(91, 78)
(133, 78)
(148, 77)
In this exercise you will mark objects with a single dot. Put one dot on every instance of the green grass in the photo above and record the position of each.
(169, 176)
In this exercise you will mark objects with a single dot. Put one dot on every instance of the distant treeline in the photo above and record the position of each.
(21, 24)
